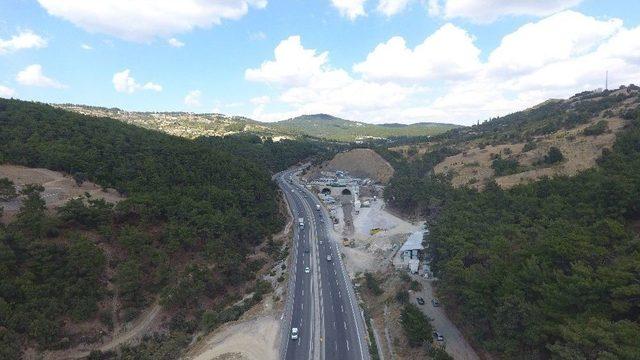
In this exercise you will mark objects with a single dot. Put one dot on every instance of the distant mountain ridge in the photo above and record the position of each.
(323, 126)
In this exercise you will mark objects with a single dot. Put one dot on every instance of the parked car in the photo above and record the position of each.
(438, 336)
(420, 300)
(294, 334)
(435, 302)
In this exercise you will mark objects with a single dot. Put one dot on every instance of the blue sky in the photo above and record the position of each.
(369, 60)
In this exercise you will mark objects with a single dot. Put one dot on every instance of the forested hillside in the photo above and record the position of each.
(548, 269)
(333, 128)
(192, 215)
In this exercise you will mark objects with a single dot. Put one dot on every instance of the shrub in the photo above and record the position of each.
(505, 166)
(416, 325)
(402, 296)
(373, 284)
(553, 156)
(596, 129)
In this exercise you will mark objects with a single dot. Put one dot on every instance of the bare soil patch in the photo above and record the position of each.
(473, 168)
(58, 188)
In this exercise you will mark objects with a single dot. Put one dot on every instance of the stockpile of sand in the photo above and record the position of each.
(364, 163)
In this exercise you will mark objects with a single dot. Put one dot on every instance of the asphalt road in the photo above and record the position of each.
(321, 303)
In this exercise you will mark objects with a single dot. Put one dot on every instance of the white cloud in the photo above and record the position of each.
(6, 92)
(449, 53)
(310, 85)
(392, 7)
(143, 20)
(259, 35)
(32, 76)
(443, 79)
(260, 100)
(24, 40)
(193, 98)
(123, 82)
(433, 8)
(558, 37)
(350, 8)
(485, 11)
(86, 47)
(175, 43)
(293, 64)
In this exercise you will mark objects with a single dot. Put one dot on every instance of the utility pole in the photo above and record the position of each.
(606, 81)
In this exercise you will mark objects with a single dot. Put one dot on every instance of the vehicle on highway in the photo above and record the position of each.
(420, 300)
(328, 257)
(294, 334)
(307, 270)
(435, 302)
(317, 207)
(306, 250)
(438, 336)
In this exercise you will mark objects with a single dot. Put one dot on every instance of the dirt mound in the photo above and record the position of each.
(360, 163)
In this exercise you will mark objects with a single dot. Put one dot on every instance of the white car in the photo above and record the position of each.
(294, 334)
(307, 270)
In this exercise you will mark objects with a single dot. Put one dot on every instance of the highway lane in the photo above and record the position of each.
(324, 297)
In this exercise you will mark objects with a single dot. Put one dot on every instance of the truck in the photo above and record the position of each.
(317, 207)
(301, 222)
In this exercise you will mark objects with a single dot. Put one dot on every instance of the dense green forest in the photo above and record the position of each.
(549, 269)
(194, 211)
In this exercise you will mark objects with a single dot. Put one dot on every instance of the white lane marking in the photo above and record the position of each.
(302, 306)
(341, 308)
(347, 345)
(345, 325)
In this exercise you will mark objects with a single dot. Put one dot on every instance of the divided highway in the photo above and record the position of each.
(321, 302)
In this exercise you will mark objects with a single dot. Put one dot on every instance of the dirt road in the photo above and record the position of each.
(456, 345)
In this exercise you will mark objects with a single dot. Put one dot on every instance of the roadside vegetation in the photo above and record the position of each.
(194, 212)
(549, 269)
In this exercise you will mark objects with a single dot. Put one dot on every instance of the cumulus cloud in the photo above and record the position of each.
(392, 7)
(6, 92)
(485, 11)
(449, 53)
(143, 20)
(32, 75)
(24, 40)
(558, 37)
(86, 47)
(444, 79)
(193, 98)
(175, 43)
(292, 64)
(310, 85)
(125, 83)
(350, 8)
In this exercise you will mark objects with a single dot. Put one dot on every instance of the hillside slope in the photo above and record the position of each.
(321, 126)
(548, 267)
(185, 236)
(334, 128)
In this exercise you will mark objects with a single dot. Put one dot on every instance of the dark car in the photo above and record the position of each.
(435, 302)
(420, 300)
(437, 336)
(306, 250)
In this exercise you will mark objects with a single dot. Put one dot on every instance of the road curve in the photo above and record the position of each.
(321, 303)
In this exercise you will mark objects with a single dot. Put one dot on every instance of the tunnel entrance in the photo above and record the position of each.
(326, 191)
(346, 192)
